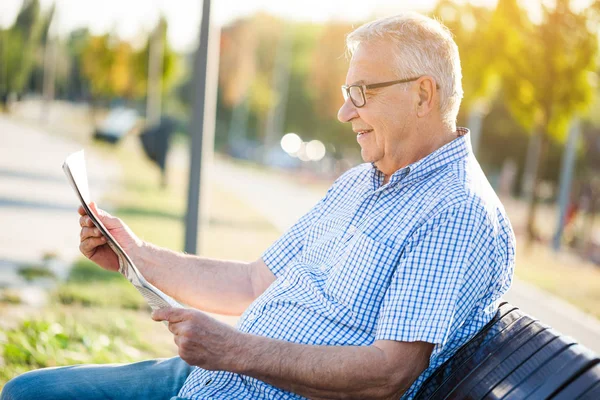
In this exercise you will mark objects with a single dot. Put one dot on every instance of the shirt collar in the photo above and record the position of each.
(456, 150)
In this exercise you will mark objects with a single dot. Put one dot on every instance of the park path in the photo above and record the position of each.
(38, 209)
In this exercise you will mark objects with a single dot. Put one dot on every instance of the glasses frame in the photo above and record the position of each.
(346, 89)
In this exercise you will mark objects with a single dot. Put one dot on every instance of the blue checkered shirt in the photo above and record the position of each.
(425, 257)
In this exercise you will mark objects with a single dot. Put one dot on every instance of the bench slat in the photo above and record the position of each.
(507, 327)
(543, 372)
(580, 385)
(466, 350)
(516, 357)
(564, 374)
(592, 394)
(517, 351)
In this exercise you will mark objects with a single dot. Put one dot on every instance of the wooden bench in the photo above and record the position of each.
(516, 357)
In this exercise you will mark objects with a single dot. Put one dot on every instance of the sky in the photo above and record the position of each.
(133, 19)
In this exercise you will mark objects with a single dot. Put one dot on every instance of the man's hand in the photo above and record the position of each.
(202, 340)
(94, 245)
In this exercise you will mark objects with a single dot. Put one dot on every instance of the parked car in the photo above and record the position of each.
(118, 123)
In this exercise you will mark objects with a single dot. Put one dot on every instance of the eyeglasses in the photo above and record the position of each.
(357, 92)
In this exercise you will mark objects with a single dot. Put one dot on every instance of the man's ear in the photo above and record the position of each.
(427, 91)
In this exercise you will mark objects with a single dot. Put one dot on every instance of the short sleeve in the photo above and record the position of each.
(439, 279)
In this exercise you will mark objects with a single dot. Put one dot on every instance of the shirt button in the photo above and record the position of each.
(323, 268)
(251, 317)
(352, 229)
(285, 284)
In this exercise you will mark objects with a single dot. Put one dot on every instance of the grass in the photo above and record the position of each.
(33, 272)
(88, 286)
(563, 275)
(96, 316)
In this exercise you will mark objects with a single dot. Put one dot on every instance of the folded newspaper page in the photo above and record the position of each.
(74, 168)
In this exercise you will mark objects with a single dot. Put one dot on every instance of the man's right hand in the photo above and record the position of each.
(94, 245)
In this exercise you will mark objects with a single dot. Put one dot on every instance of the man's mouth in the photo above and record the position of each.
(362, 132)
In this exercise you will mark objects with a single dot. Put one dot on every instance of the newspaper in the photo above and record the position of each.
(74, 168)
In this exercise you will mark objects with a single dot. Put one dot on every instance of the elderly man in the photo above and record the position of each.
(402, 261)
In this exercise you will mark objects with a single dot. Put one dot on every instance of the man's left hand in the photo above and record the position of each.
(202, 340)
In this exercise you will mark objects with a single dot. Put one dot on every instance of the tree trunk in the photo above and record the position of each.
(587, 230)
(532, 233)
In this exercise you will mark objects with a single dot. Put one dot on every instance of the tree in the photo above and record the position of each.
(327, 73)
(139, 66)
(20, 45)
(98, 58)
(247, 62)
(470, 26)
(237, 67)
(545, 71)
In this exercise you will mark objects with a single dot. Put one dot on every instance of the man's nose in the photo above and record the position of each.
(347, 111)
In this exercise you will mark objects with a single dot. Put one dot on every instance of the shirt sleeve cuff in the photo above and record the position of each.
(270, 258)
(413, 331)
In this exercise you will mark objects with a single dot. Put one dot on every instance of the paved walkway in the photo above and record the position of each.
(38, 209)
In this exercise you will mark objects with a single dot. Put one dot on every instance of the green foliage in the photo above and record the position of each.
(139, 65)
(21, 46)
(65, 338)
(88, 285)
(32, 272)
(105, 65)
(9, 296)
(545, 85)
(114, 69)
(470, 26)
(118, 294)
(85, 271)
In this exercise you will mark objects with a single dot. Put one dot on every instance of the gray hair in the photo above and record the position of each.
(423, 46)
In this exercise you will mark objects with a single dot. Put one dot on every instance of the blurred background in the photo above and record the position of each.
(122, 79)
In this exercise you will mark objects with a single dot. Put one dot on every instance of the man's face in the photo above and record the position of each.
(385, 124)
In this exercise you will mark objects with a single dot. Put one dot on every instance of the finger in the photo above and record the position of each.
(177, 340)
(81, 211)
(173, 328)
(84, 220)
(88, 245)
(87, 232)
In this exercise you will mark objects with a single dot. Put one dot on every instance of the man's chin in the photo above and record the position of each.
(366, 157)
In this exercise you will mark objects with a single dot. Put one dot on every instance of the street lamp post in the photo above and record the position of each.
(206, 65)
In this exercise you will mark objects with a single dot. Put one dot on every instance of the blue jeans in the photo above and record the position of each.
(152, 379)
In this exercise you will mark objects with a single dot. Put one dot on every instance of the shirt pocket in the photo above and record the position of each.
(361, 276)
(321, 239)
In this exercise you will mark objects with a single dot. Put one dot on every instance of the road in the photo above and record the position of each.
(37, 206)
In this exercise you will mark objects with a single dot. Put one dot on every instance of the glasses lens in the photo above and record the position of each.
(357, 96)
(345, 93)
